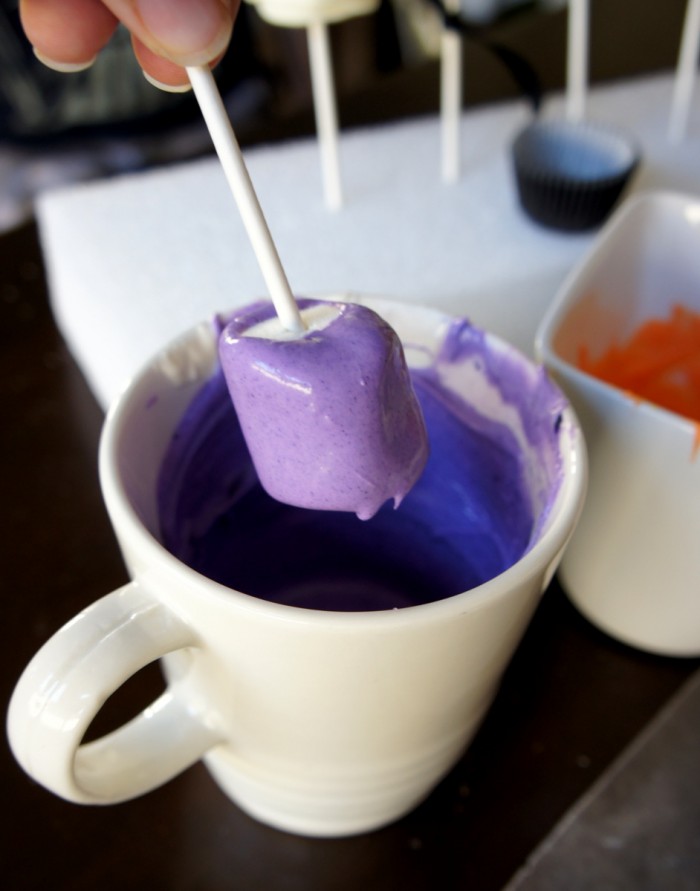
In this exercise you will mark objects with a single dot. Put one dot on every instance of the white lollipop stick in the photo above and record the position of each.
(228, 150)
(451, 96)
(685, 72)
(577, 60)
(325, 109)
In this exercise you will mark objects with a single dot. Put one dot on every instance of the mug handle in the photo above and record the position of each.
(69, 679)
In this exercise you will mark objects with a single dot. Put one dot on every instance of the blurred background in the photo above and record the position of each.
(59, 128)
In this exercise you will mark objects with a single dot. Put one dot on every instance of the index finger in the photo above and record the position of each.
(68, 34)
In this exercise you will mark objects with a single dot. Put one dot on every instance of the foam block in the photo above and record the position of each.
(133, 261)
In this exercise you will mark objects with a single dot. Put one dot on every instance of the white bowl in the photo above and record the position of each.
(633, 565)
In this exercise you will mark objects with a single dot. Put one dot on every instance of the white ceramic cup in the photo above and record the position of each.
(321, 723)
(633, 566)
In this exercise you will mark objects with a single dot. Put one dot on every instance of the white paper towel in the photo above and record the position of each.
(135, 260)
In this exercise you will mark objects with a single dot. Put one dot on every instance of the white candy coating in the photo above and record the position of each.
(301, 13)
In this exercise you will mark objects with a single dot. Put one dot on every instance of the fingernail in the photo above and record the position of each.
(188, 33)
(63, 67)
(168, 88)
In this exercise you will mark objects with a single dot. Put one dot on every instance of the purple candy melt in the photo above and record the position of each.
(472, 514)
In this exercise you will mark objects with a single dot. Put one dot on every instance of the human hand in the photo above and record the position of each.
(166, 34)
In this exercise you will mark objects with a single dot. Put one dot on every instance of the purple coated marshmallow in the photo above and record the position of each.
(330, 417)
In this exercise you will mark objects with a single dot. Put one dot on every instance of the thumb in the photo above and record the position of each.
(186, 32)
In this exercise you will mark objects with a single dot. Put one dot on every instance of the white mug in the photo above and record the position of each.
(633, 565)
(316, 722)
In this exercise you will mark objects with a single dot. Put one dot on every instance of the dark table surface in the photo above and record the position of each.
(571, 701)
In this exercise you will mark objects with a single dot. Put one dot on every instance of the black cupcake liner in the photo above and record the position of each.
(570, 175)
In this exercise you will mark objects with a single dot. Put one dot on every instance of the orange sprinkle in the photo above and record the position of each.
(660, 363)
